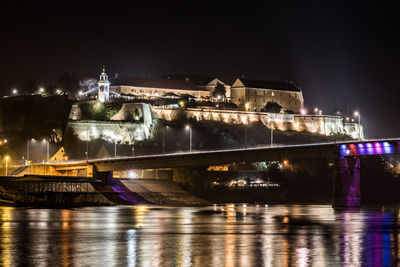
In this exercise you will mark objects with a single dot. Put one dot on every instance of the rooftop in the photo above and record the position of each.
(155, 83)
(277, 85)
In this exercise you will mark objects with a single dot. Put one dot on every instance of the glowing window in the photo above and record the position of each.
(272, 93)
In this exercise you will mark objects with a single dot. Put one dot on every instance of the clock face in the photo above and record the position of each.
(101, 88)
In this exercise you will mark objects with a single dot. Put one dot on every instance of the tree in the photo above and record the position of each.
(272, 107)
(68, 83)
(88, 84)
(30, 87)
(219, 91)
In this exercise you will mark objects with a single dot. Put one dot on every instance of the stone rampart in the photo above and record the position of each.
(321, 124)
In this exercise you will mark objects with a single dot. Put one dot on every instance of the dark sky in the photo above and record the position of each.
(344, 54)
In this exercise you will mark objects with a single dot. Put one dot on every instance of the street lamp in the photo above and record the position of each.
(190, 137)
(272, 127)
(357, 114)
(315, 110)
(47, 149)
(7, 158)
(14, 91)
(164, 138)
(303, 111)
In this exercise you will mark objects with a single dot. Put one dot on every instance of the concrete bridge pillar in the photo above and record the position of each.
(346, 184)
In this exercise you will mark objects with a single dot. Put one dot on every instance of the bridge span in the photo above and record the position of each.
(345, 156)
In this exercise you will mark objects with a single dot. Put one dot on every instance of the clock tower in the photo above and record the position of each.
(103, 87)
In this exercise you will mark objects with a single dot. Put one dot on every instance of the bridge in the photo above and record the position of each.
(344, 155)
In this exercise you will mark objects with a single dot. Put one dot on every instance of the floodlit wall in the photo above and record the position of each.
(132, 123)
(321, 124)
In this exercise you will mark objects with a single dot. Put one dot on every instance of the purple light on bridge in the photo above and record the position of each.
(378, 148)
(374, 148)
(370, 150)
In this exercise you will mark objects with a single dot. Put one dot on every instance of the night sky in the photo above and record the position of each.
(344, 54)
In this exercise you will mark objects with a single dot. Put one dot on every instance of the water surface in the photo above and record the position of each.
(228, 235)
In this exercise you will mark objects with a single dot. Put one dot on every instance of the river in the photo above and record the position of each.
(220, 235)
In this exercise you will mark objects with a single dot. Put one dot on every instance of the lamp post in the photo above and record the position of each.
(271, 125)
(27, 152)
(7, 158)
(87, 143)
(115, 149)
(47, 149)
(190, 137)
(133, 151)
(358, 115)
(164, 137)
(245, 135)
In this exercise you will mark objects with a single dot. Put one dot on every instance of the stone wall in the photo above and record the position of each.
(321, 124)
(132, 123)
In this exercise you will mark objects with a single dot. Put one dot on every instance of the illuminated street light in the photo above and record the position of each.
(357, 114)
(187, 127)
(47, 148)
(315, 110)
(41, 90)
(5, 141)
(303, 111)
(14, 91)
(80, 93)
(272, 127)
(7, 158)
(320, 112)
(164, 137)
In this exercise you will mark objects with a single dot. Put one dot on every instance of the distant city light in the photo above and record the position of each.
(58, 91)
(41, 90)
(347, 118)
(320, 112)
(15, 91)
(303, 111)
(187, 127)
(315, 110)
(356, 113)
(80, 93)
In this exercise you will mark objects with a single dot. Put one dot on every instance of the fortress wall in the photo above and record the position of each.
(321, 124)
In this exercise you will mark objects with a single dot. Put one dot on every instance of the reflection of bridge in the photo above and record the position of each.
(345, 155)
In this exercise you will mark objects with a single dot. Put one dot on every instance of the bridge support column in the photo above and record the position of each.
(346, 184)
(105, 177)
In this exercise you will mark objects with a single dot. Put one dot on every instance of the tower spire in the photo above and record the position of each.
(104, 68)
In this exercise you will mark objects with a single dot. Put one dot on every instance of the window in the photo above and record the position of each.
(264, 92)
(272, 93)
(255, 92)
(264, 100)
(281, 102)
(248, 99)
(255, 109)
(255, 99)
(239, 99)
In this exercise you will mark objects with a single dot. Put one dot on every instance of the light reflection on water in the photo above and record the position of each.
(228, 235)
